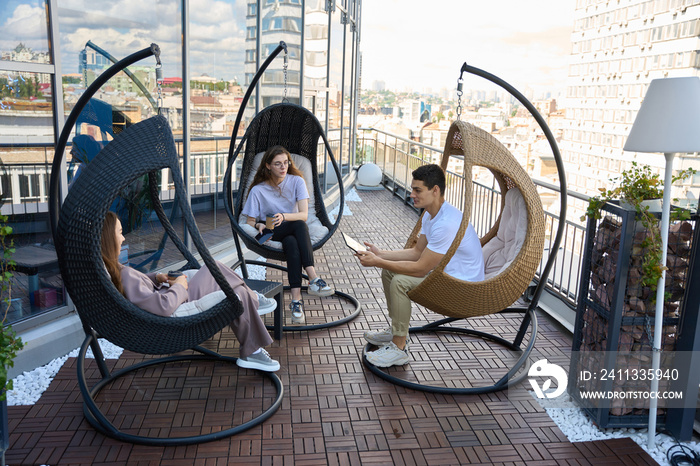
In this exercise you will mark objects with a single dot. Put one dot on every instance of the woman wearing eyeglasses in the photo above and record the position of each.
(279, 191)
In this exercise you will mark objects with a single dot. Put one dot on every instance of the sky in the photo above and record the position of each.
(420, 44)
(408, 44)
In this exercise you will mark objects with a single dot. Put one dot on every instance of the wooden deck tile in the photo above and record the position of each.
(334, 411)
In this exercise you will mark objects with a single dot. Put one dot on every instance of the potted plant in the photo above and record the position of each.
(637, 187)
(10, 344)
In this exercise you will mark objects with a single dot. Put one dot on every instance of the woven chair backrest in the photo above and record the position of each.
(143, 148)
(450, 296)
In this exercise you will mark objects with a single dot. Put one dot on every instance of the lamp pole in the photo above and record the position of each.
(660, 291)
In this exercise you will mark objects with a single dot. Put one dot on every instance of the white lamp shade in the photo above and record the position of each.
(669, 118)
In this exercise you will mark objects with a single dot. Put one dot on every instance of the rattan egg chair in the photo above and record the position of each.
(145, 148)
(452, 297)
(502, 287)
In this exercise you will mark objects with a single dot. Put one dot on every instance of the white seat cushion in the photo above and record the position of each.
(316, 229)
(503, 248)
(202, 304)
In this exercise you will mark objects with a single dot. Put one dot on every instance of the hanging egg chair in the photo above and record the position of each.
(144, 148)
(299, 131)
(512, 248)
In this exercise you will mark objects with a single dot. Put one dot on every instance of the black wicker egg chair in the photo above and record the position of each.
(144, 148)
(299, 131)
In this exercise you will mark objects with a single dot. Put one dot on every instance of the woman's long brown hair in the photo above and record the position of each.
(110, 250)
(264, 174)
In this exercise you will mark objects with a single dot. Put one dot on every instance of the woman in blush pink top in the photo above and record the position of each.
(163, 295)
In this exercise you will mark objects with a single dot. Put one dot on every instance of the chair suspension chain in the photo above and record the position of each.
(459, 97)
(284, 68)
(159, 80)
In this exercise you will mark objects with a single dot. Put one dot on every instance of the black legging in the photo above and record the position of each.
(297, 247)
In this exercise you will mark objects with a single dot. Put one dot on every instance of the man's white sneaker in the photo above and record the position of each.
(379, 337)
(389, 355)
(265, 305)
(319, 287)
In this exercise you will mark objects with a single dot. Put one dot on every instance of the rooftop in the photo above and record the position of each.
(334, 410)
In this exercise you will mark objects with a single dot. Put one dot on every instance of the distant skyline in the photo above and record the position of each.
(419, 44)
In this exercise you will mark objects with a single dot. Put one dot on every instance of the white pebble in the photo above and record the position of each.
(29, 386)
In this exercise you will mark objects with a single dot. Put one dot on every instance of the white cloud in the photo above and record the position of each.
(217, 32)
(27, 24)
(208, 12)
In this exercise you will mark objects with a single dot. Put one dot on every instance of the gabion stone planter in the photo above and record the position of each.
(613, 334)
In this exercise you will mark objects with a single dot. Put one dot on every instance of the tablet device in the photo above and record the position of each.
(353, 244)
(264, 236)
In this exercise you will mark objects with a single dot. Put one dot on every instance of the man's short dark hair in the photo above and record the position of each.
(431, 175)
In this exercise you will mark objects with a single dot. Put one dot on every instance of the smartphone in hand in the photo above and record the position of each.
(264, 236)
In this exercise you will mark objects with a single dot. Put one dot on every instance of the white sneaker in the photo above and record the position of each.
(260, 361)
(319, 287)
(265, 305)
(297, 308)
(379, 337)
(389, 355)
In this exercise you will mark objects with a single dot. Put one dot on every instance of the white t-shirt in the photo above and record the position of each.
(467, 263)
(265, 200)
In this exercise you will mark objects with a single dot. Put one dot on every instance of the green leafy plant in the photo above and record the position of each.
(10, 344)
(636, 185)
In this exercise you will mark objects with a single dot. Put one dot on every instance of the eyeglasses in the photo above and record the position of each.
(281, 164)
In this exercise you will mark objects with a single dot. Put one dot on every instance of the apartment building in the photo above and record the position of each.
(618, 47)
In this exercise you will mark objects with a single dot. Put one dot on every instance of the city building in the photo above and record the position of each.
(92, 63)
(617, 49)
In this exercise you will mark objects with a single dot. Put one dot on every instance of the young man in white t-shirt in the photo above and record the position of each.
(407, 268)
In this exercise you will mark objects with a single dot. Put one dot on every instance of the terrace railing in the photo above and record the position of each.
(24, 185)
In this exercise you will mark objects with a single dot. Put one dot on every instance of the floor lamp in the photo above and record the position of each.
(668, 122)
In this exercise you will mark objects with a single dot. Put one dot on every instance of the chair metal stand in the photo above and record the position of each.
(146, 147)
(298, 328)
(515, 374)
(98, 420)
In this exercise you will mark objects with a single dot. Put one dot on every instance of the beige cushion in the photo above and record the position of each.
(503, 248)
(316, 229)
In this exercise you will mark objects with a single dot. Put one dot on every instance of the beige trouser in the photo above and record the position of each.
(396, 288)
